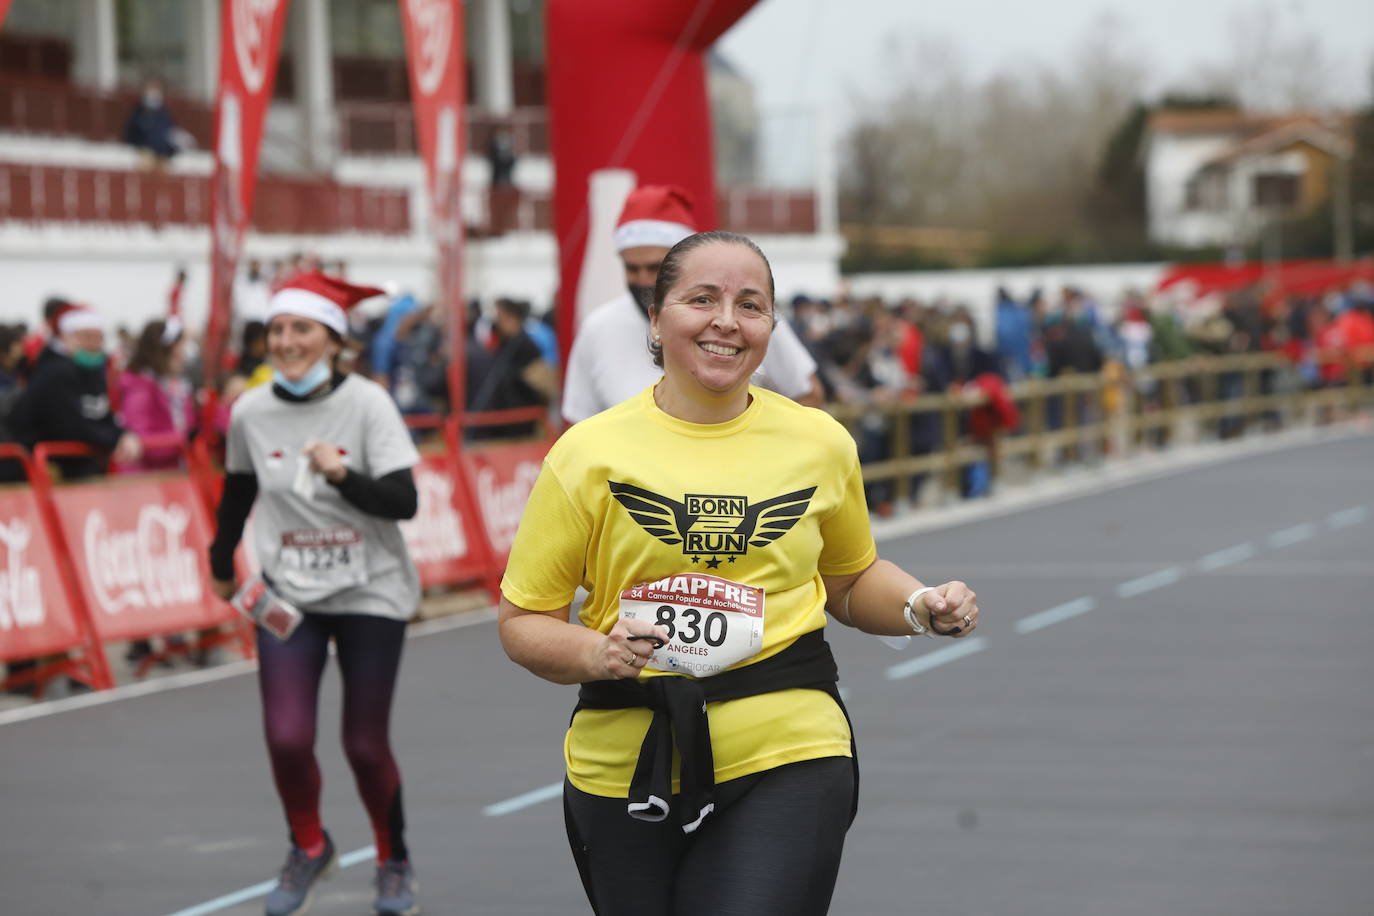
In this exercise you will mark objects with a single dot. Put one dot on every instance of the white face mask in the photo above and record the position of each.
(959, 335)
(152, 98)
(314, 377)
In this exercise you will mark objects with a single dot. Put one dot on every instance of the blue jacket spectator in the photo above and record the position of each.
(149, 126)
(1014, 329)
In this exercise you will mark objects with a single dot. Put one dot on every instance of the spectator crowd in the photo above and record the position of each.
(60, 379)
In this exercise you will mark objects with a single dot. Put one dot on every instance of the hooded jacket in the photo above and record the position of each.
(65, 402)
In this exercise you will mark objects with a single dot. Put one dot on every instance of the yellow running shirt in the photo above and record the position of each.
(772, 499)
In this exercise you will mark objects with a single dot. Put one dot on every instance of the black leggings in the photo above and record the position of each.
(369, 651)
(771, 848)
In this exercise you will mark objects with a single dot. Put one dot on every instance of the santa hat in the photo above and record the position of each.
(323, 298)
(71, 318)
(172, 330)
(655, 214)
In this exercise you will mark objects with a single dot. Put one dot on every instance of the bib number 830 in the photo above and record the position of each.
(687, 625)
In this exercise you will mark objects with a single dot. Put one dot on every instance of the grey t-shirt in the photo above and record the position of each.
(319, 551)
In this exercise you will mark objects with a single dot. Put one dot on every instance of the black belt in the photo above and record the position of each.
(679, 707)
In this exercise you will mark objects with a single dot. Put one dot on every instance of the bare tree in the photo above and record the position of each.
(1273, 63)
(1015, 153)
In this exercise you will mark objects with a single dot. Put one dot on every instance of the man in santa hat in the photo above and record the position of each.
(610, 359)
(68, 400)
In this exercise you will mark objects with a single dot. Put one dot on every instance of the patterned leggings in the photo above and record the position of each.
(369, 651)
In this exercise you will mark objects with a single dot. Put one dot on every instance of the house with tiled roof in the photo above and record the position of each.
(1221, 176)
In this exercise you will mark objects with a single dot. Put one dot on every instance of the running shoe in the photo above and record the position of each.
(299, 876)
(395, 889)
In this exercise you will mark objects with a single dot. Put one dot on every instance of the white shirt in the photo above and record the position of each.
(266, 436)
(610, 361)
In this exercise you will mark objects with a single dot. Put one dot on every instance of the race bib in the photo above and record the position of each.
(323, 560)
(712, 623)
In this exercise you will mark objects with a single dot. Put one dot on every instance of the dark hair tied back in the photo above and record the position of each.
(670, 271)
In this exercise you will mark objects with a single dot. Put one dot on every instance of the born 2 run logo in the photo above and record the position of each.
(712, 526)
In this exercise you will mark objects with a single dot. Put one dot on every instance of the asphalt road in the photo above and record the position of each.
(1168, 709)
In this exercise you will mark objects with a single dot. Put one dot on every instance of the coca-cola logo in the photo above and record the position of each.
(435, 534)
(21, 595)
(252, 25)
(504, 503)
(431, 23)
(148, 566)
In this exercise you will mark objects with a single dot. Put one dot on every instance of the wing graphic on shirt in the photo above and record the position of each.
(664, 518)
(769, 520)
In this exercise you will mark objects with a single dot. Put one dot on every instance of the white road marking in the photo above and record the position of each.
(1347, 517)
(961, 649)
(1226, 557)
(1054, 615)
(1133, 587)
(532, 797)
(1286, 536)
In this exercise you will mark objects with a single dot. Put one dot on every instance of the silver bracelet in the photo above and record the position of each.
(908, 611)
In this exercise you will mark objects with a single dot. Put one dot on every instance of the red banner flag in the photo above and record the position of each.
(250, 35)
(434, 52)
(4, 8)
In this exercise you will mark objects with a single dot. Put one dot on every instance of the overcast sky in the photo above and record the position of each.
(809, 51)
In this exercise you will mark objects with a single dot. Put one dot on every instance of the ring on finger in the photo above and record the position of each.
(631, 660)
(968, 621)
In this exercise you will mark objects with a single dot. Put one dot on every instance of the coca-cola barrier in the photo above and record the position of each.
(125, 557)
(502, 474)
(138, 545)
(42, 615)
(446, 538)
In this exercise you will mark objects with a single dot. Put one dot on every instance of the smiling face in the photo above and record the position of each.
(714, 323)
(295, 343)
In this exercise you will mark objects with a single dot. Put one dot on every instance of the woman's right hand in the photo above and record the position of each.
(618, 656)
(223, 588)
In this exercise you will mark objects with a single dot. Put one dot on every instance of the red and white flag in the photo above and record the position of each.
(434, 51)
(250, 36)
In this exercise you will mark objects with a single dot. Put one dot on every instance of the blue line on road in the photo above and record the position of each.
(1054, 615)
(1347, 517)
(1286, 536)
(532, 797)
(1226, 557)
(937, 658)
(1143, 584)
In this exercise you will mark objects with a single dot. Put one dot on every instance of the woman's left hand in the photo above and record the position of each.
(953, 609)
(325, 459)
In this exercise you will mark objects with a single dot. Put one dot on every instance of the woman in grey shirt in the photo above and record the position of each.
(327, 460)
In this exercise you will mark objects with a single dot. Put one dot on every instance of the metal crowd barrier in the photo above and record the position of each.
(1088, 417)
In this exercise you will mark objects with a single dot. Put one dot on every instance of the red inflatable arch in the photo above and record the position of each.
(627, 89)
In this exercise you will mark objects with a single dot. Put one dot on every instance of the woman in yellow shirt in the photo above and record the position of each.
(713, 526)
